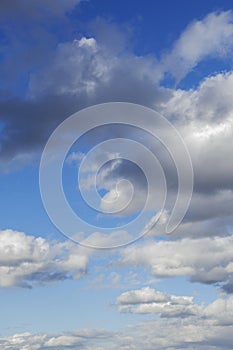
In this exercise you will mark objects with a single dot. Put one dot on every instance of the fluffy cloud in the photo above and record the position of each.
(205, 260)
(26, 260)
(210, 37)
(150, 301)
(85, 71)
(204, 117)
(91, 74)
(95, 73)
(210, 102)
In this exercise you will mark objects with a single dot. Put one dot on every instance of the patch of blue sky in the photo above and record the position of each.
(22, 209)
(154, 27)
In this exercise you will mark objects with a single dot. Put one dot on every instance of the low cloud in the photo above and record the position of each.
(204, 260)
(26, 261)
(150, 301)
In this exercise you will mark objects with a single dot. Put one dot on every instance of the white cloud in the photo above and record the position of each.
(210, 37)
(204, 117)
(206, 260)
(64, 340)
(210, 104)
(150, 301)
(205, 330)
(26, 260)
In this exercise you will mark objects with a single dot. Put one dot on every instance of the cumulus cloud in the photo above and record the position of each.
(26, 260)
(204, 117)
(150, 301)
(79, 74)
(84, 72)
(85, 66)
(205, 260)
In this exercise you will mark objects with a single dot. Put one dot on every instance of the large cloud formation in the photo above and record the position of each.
(84, 71)
(38, 93)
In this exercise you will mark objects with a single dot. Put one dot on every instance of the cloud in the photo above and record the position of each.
(211, 37)
(78, 74)
(203, 116)
(71, 340)
(210, 329)
(26, 261)
(84, 65)
(150, 301)
(85, 71)
(37, 8)
(65, 77)
(204, 260)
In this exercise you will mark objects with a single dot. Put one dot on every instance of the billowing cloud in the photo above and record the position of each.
(91, 74)
(151, 301)
(205, 260)
(26, 261)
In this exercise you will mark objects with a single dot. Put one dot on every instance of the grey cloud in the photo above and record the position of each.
(84, 72)
(27, 125)
(228, 287)
(33, 9)
(86, 65)
(57, 92)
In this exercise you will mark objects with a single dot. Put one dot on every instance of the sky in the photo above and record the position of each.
(116, 126)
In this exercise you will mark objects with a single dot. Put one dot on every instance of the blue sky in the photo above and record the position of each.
(163, 290)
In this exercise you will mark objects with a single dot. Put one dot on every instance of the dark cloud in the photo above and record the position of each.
(36, 8)
(28, 124)
(228, 287)
(53, 79)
